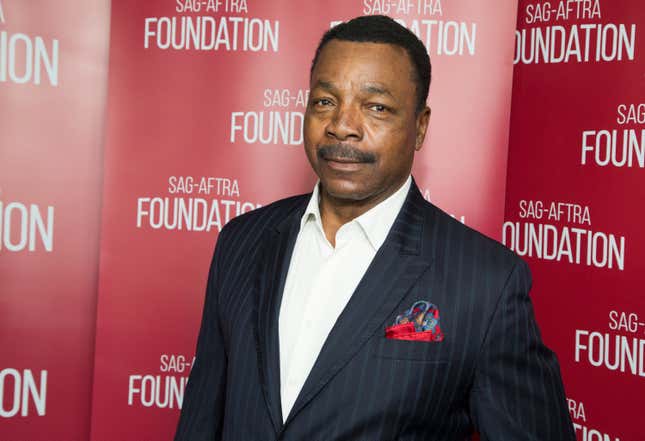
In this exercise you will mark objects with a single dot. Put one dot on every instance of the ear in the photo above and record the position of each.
(423, 118)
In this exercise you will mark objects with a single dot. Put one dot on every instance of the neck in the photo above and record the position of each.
(335, 212)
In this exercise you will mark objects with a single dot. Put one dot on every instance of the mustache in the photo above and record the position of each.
(344, 151)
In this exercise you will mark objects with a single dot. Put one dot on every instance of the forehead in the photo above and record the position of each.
(349, 63)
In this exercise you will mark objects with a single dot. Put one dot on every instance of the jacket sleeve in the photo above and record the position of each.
(203, 405)
(517, 392)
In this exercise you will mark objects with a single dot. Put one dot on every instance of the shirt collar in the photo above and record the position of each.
(312, 213)
(375, 222)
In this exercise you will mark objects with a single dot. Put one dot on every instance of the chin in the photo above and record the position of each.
(345, 191)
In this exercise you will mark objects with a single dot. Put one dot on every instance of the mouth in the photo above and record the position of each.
(343, 160)
(343, 164)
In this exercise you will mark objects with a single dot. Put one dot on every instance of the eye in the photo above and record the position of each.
(322, 102)
(378, 108)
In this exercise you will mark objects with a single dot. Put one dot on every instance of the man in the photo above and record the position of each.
(361, 311)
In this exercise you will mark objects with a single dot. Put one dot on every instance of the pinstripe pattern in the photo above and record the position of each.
(491, 373)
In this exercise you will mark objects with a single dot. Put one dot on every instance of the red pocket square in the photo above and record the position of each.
(420, 322)
(406, 331)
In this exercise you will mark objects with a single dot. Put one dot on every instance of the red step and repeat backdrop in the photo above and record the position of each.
(53, 85)
(204, 122)
(110, 204)
(574, 205)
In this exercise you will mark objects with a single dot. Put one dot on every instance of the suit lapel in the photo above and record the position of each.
(396, 267)
(271, 273)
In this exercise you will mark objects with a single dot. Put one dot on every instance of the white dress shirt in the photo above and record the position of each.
(320, 282)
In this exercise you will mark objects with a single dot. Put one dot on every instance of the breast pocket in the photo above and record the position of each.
(405, 350)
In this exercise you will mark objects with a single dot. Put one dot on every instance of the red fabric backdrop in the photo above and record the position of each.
(199, 129)
(53, 83)
(576, 217)
(200, 114)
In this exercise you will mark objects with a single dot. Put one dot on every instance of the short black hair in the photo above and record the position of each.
(383, 29)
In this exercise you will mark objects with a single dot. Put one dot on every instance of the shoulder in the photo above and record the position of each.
(458, 244)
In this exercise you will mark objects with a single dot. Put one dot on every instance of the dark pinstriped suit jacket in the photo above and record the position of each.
(490, 373)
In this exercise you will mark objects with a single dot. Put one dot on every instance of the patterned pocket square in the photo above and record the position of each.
(420, 323)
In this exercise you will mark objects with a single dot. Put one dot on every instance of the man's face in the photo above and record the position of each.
(361, 127)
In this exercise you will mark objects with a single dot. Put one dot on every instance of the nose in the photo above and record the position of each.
(345, 124)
